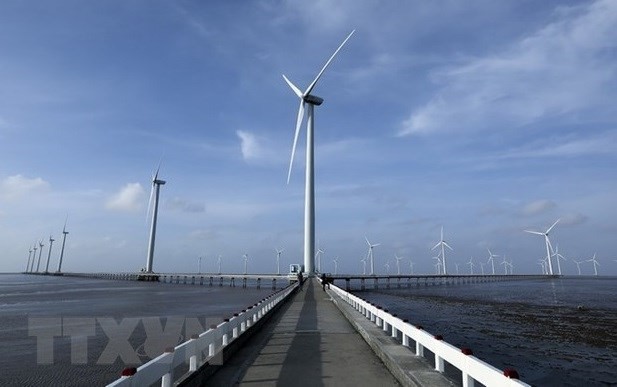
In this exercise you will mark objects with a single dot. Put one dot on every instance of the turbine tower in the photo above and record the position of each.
(29, 256)
(548, 245)
(218, 261)
(155, 190)
(370, 254)
(558, 257)
(443, 244)
(51, 242)
(595, 264)
(309, 189)
(38, 263)
(64, 234)
(33, 258)
(246, 262)
(491, 259)
(398, 264)
(278, 260)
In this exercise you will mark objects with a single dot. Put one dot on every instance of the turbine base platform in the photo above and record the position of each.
(150, 277)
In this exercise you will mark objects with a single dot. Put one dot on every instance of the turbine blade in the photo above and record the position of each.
(65, 220)
(448, 246)
(312, 85)
(293, 87)
(437, 245)
(550, 228)
(367, 242)
(293, 149)
(149, 203)
(534, 232)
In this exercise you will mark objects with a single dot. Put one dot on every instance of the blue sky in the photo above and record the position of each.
(485, 117)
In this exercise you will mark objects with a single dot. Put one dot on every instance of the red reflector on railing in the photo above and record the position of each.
(129, 371)
(510, 373)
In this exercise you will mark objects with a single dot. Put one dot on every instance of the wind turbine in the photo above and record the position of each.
(64, 234)
(363, 260)
(318, 257)
(387, 266)
(558, 256)
(51, 242)
(246, 260)
(219, 263)
(548, 245)
(155, 190)
(38, 264)
(410, 267)
(398, 264)
(595, 264)
(578, 265)
(335, 260)
(370, 254)
(491, 257)
(456, 267)
(482, 267)
(443, 244)
(29, 256)
(199, 265)
(33, 257)
(505, 265)
(278, 260)
(437, 264)
(471, 264)
(309, 189)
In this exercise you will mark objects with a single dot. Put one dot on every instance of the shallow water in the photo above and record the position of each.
(90, 344)
(559, 332)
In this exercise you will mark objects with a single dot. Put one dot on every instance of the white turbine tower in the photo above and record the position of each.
(33, 257)
(199, 265)
(155, 190)
(482, 267)
(370, 254)
(309, 190)
(410, 267)
(456, 267)
(578, 265)
(471, 265)
(548, 245)
(38, 263)
(64, 234)
(246, 260)
(443, 244)
(335, 260)
(51, 242)
(595, 264)
(218, 261)
(491, 259)
(318, 257)
(398, 264)
(558, 257)
(278, 260)
(363, 260)
(29, 256)
(387, 266)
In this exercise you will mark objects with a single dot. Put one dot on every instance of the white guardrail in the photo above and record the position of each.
(472, 368)
(200, 348)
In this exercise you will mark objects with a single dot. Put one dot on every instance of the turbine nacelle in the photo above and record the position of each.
(313, 100)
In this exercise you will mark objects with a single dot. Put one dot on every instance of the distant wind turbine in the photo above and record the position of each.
(387, 266)
(335, 260)
(456, 267)
(51, 242)
(491, 259)
(64, 234)
(278, 260)
(548, 245)
(363, 260)
(155, 190)
(595, 264)
(471, 265)
(318, 257)
(199, 265)
(578, 265)
(38, 264)
(482, 267)
(558, 257)
(370, 254)
(306, 98)
(398, 264)
(246, 260)
(443, 244)
(29, 256)
(219, 259)
(33, 257)
(410, 267)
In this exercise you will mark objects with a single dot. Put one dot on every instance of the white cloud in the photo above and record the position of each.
(129, 198)
(569, 147)
(14, 187)
(538, 207)
(566, 67)
(573, 219)
(249, 145)
(185, 205)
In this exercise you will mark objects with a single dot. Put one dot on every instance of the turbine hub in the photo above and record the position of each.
(313, 100)
(159, 182)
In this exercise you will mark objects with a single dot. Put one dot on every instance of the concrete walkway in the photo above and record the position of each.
(308, 343)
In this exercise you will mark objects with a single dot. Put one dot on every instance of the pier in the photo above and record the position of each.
(307, 336)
